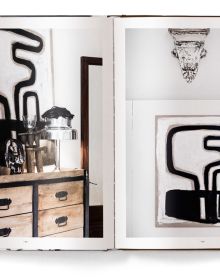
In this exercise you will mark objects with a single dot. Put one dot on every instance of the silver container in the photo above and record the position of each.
(59, 122)
(60, 134)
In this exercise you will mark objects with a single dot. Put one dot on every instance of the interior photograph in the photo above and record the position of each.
(172, 131)
(51, 133)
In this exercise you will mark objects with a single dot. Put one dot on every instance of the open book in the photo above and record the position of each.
(109, 133)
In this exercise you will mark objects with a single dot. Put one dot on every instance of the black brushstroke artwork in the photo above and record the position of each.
(4, 102)
(8, 125)
(21, 46)
(185, 204)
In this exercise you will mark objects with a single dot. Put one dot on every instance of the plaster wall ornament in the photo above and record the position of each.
(189, 48)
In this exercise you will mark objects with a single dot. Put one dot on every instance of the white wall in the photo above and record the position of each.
(152, 72)
(68, 46)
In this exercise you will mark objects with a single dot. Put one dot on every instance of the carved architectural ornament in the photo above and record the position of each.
(189, 48)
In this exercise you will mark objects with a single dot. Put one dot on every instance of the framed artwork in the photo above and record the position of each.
(187, 170)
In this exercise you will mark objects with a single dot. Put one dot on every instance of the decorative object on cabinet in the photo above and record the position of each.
(29, 122)
(7, 128)
(58, 127)
(31, 140)
(26, 96)
(44, 204)
(189, 48)
(14, 156)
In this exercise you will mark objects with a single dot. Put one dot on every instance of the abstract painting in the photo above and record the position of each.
(25, 83)
(188, 170)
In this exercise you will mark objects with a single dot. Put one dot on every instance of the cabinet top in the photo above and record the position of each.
(41, 176)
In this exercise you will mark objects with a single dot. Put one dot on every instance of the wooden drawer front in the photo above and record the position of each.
(20, 225)
(60, 194)
(70, 233)
(60, 219)
(16, 200)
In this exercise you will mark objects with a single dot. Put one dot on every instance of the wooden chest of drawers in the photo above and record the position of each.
(51, 204)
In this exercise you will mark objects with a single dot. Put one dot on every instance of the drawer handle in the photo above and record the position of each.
(5, 202)
(61, 221)
(62, 196)
(5, 232)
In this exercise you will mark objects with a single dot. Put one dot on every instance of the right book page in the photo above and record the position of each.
(167, 132)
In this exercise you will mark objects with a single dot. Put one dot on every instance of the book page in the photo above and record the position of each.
(56, 127)
(167, 131)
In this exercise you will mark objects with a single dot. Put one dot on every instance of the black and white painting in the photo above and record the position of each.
(26, 72)
(26, 86)
(188, 170)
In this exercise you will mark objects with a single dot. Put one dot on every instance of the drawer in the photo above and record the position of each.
(60, 194)
(15, 201)
(16, 226)
(70, 233)
(60, 219)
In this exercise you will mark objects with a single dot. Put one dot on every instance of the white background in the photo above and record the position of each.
(109, 265)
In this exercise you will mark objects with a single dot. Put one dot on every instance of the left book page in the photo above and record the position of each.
(56, 133)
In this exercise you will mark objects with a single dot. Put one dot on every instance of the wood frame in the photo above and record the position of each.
(85, 63)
